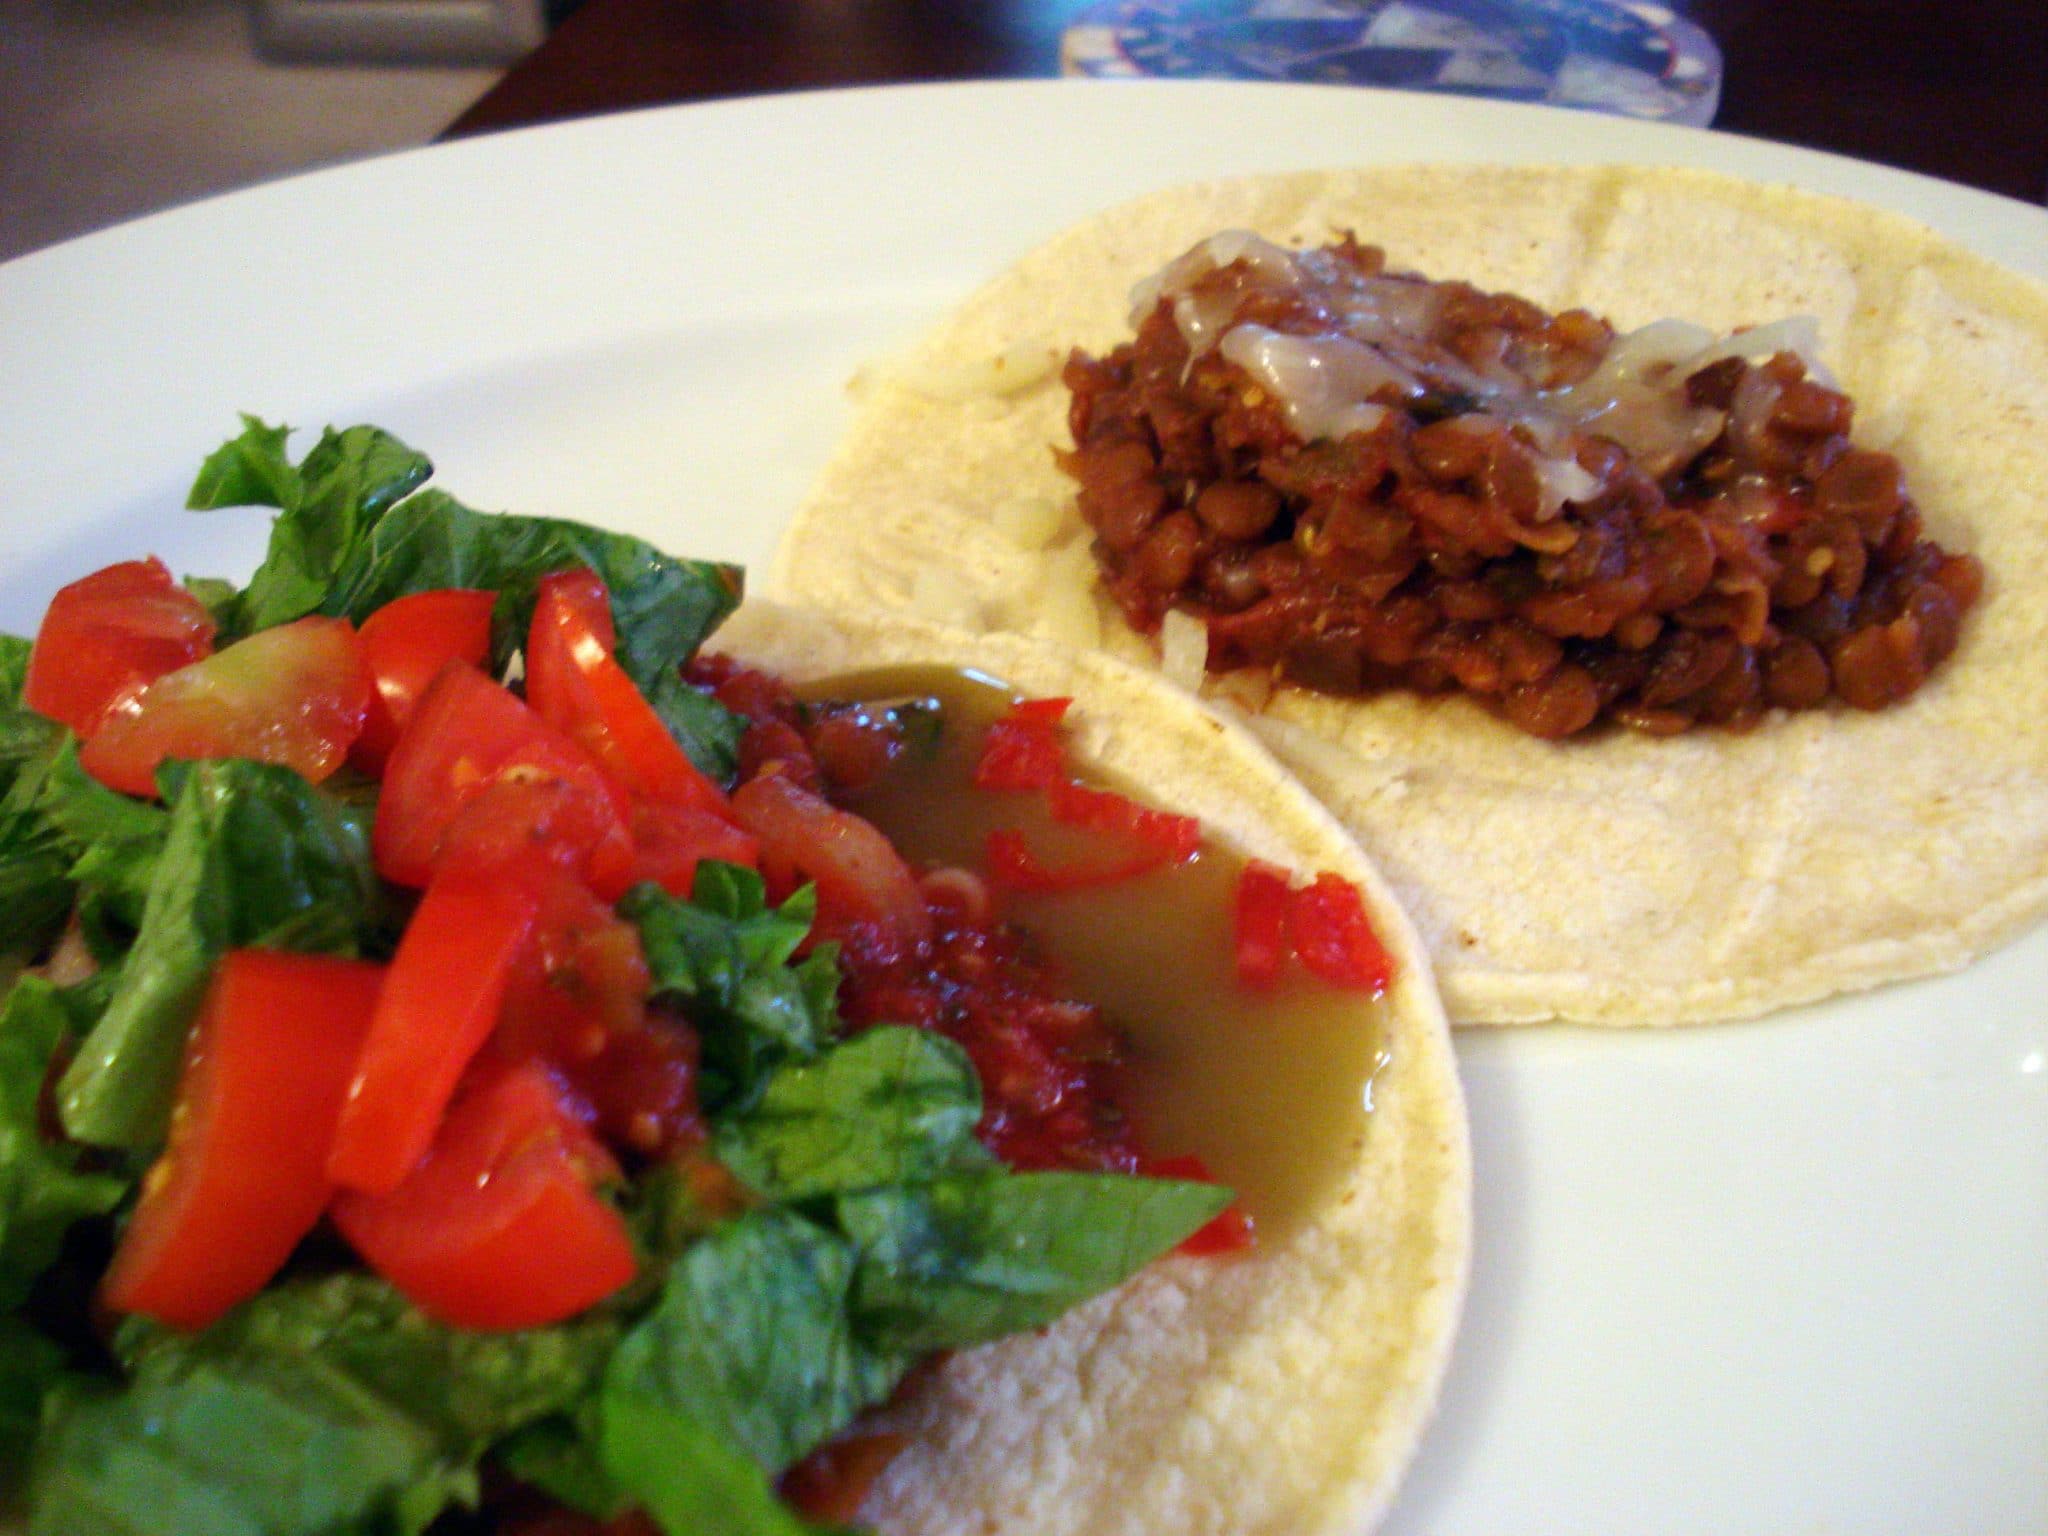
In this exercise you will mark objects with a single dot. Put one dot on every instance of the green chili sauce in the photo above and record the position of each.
(1272, 1090)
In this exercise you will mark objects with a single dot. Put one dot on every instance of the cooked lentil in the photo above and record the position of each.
(1366, 480)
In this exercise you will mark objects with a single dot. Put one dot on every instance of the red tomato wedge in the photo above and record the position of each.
(576, 685)
(669, 841)
(406, 643)
(244, 1177)
(499, 1228)
(468, 734)
(108, 636)
(294, 695)
(440, 1001)
(860, 876)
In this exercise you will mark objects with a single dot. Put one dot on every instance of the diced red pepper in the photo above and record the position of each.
(1327, 925)
(1259, 924)
(1149, 839)
(1175, 838)
(1323, 925)
(1024, 750)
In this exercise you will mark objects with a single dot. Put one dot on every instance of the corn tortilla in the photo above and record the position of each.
(1277, 1393)
(1616, 880)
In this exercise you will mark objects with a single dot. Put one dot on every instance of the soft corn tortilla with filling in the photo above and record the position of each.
(1276, 1393)
(1620, 879)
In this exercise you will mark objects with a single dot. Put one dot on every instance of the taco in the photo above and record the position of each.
(491, 1063)
(1620, 876)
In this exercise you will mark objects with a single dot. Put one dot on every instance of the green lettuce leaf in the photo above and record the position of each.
(206, 1442)
(692, 1482)
(327, 505)
(252, 855)
(116, 840)
(891, 1106)
(725, 957)
(469, 1389)
(976, 1256)
(662, 607)
(43, 1189)
(704, 728)
(14, 654)
(30, 1366)
(321, 1406)
(751, 1342)
(561, 1457)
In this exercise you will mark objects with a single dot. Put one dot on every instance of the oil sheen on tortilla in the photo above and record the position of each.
(1276, 1393)
(1622, 880)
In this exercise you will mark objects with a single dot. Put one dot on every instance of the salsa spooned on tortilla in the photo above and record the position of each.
(572, 1114)
(1363, 479)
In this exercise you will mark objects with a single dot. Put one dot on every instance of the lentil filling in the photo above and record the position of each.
(1365, 480)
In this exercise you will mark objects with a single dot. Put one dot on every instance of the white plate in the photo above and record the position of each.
(1784, 1277)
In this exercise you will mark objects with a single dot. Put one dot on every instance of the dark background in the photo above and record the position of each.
(1956, 89)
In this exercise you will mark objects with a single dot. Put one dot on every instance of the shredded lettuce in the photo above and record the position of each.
(892, 1106)
(252, 855)
(875, 1226)
(45, 1187)
(725, 957)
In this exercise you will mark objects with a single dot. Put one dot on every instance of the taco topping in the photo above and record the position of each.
(515, 1045)
(1366, 480)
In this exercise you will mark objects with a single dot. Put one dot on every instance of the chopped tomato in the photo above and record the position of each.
(107, 637)
(669, 841)
(1023, 750)
(244, 1176)
(295, 695)
(440, 1001)
(1259, 924)
(581, 979)
(468, 734)
(511, 820)
(406, 643)
(498, 1227)
(578, 687)
(1228, 1231)
(1327, 925)
(860, 876)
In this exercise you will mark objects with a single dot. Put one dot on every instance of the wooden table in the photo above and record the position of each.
(1955, 88)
